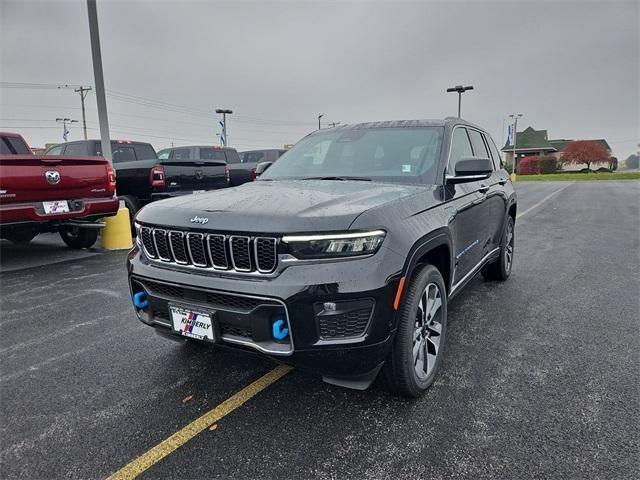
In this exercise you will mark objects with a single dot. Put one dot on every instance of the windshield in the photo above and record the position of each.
(380, 154)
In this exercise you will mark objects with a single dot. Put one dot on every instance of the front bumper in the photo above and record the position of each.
(82, 209)
(340, 314)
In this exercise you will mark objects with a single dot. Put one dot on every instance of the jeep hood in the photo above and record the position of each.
(277, 206)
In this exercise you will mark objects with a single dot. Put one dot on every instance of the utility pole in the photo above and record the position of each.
(319, 117)
(224, 112)
(515, 117)
(83, 91)
(98, 75)
(64, 121)
(460, 90)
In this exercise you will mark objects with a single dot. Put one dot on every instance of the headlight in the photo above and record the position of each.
(334, 245)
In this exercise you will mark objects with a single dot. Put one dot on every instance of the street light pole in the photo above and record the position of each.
(460, 90)
(98, 75)
(319, 117)
(515, 116)
(224, 112)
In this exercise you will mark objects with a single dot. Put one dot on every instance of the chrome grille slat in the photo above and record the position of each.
(161, 244)
(197, 252)
(178, 250)
(240, 248)
(218, 251)
(211, 251)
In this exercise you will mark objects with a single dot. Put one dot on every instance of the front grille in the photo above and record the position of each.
(214, 299)
(235, 331)
(216, 251)
(346, 325)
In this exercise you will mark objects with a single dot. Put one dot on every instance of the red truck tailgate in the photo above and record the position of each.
(32, 178)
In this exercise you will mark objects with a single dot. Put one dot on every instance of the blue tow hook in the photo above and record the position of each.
(140, 300)
(279, 333)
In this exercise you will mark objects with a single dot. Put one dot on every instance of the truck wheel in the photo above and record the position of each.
(20, 236)
(418, 346)
(501, 268)
(76, 237)
(133, 206)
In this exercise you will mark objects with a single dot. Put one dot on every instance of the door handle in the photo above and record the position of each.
(502, 181)
(483, 188)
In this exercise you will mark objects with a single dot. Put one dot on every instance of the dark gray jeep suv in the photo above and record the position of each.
(341, 258)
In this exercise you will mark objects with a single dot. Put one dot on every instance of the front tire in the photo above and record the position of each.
(418, 346)
(501, 268)
(76, 237)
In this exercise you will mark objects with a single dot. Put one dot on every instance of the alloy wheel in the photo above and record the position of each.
(508, 251)
(427, 331)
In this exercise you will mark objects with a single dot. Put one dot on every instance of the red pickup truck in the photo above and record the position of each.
(40, 193)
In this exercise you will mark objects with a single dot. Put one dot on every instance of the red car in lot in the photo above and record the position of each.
(65, 194)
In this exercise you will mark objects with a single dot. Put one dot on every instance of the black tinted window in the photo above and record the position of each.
(13, 146)
(212, 154)
(479, 147)
(57, 150)
(180, 154)
(251, 157)
(122, 153)
(233, 157)
(497, 159)
(460, 148)
(75, 149)
(144, 152)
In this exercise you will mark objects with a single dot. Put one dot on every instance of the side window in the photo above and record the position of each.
(144, 152)
(251, 157)
(75, 149)
(163, 154)
(497, 158)
(57, 150)
(232, 156)
(180, 154)
(121, 153)
(460, 148)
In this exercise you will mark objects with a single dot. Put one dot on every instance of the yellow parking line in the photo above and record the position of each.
(175, 441)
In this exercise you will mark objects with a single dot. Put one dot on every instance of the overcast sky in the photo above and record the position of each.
(570, 67)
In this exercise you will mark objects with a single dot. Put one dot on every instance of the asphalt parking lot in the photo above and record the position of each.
(540, 378)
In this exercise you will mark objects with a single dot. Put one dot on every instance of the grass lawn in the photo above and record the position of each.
(579, 176)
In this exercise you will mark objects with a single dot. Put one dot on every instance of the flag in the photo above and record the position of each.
(510, 135)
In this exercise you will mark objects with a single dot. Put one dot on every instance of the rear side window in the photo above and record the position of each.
(13, 146)
(460, 148)
(479, 147)
(257, 156)
(144, 151)
(212, 154)
(164, 154)
(123, 153)
(180, 154)
(57, 150)
(233, 157)
(75, 149)
(497, 159)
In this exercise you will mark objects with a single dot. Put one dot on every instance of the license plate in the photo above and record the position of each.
(59, 206)
(195, 192)
(192, 323)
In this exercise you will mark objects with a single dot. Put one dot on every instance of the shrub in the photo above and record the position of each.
(548, 164)
(585, 170)
(603, 169)
(529, 166)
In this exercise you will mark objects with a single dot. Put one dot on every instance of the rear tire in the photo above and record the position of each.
(76, 237)
(500, 269)
(20, 236)
(418, 346)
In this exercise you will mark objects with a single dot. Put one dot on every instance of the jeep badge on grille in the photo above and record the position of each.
(200, 220)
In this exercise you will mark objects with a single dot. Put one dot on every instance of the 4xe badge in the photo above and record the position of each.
(200, 220)
(52, 176)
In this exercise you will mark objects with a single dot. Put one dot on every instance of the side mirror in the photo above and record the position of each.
(471, 169)
(261, 167)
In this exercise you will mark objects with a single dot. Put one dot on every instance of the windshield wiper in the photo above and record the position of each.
(361, 179)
